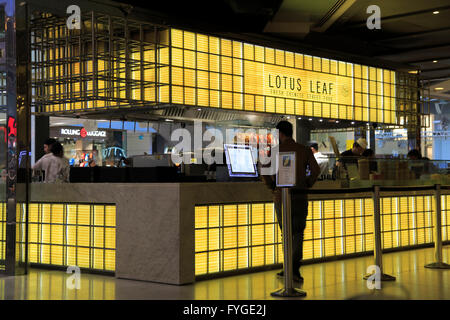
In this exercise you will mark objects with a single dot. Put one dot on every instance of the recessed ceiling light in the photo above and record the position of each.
(353, 122)
(337, 121)
(438, 88)
(320, 120)
(435, 12)
(288, 117)
(434, 61)
(310, 119)
(299, 118)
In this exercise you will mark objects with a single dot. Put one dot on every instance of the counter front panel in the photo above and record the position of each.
(240, 236)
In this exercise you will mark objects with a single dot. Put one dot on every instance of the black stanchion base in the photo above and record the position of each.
(294, 292)
(438, 265)
(384, 277)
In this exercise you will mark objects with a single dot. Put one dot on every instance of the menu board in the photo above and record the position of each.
(240, 161)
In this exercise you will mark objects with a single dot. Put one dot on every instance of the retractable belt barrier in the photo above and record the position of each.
(439, 264)
(290, 291)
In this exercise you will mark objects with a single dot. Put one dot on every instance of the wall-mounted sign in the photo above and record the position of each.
(79, 133)
(284, 82)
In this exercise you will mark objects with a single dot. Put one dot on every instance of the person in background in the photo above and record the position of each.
(351, 155)
(321, 159)
(370, 154)
(56, 167)
(414, 154)
(299, 201)
(48, 144)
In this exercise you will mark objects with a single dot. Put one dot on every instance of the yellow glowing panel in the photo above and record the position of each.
(177, 38)
(229, 260)
(200, 263)
(230, 237)
(243, 237)
(257, 235)
(213, 239)
(71, 256)
(270, 55)
(110, 216)
(307, 250)
(201, 242)
(98, 259)
(213, 265)
(257, 256)
(225, 47)
(329, 247)
(110, 238)
(99, 237)
(45, 254)
(270, 254)
(57, 255)
(229, 215)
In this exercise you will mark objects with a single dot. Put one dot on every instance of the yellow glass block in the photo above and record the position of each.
(257, 256)
(279, 57)
(298, 60)
(99, 237)
(229, 260)
(243, 258)
(317, 248)
(46, 213)
(83, 236)
(229, 215)
(33, 232)
(307, 250)
(350, 244)
(33, 213)
(299, 108)
(110, 238)
(213, 240)
(270, 257)
(110, 260)
(45, 233)
(203, 97)
(33, 253)
(213, 216)
(257, 213)
(243, 236)
(177, 94)
(84, 214)
(308, 108)
(329, 227)
(57, 234)
(260, 106)
(57, 255)
(317, 64)
(225, 47)
(242, 213)
(110, 216)
(71, 256)
(98, 259)
(45, 254)
(230, 237)
(201, 241)
(270, 55)
(213, 262)
(339, 246)
(201, 263)
(99, 215)
(71, 234)
(257, 235)
(329, 247)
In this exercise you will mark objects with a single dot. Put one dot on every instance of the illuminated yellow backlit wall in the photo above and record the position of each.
(241, 236)
(82, 235)
(220, 73)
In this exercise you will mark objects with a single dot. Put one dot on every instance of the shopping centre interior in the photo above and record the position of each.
(117, 83)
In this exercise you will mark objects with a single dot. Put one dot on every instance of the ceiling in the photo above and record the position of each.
(411, 35)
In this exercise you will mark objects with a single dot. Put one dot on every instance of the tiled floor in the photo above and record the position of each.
(330, 280)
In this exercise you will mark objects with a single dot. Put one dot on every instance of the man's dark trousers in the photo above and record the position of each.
(299, 212)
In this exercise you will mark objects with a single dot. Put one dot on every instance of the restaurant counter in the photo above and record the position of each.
(177, 233)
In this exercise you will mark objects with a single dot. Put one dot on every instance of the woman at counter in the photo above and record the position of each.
(55, 165)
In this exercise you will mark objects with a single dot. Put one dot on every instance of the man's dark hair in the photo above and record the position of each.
(414, 153)
(50, 141)
(285, 127)
(57, 149)
(314, 145)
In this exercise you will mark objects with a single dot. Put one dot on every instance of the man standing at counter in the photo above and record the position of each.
(299, 202)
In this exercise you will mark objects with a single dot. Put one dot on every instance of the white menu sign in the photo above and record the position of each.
(286, 176)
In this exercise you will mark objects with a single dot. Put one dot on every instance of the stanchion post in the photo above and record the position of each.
(439, 264)
(288, 290)
(377, 237)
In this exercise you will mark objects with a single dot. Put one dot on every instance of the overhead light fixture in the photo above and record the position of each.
(435, 61)
(299, 118)
(199, 109)
(438, 88)
(353, 122)
(337, 121)
(413, 71)
(288, 117)
(310, 119)
(169, 120)
(321, 120)
(435, 12)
